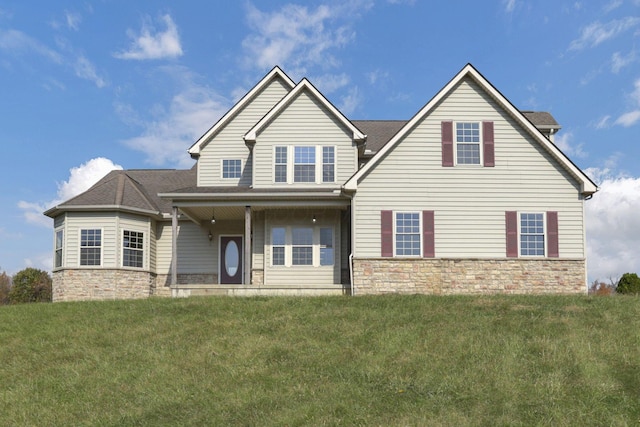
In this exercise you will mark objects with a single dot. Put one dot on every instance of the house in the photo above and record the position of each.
(289, 196)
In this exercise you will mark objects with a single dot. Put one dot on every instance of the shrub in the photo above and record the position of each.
(30, 285)
(601, 288)
(629, 283)
(5, 286)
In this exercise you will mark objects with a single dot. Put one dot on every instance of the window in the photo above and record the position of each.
(328, 164)
(326, 246)
(468, 143)
(304, 164)
(231, 168)
(280, 169)
(132, 249)
(90, 247)
(277, 245)
(407, 233)
(57, 263)
(532, 234)
(302, 246)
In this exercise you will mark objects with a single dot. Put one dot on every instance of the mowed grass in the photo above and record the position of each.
(374, 361)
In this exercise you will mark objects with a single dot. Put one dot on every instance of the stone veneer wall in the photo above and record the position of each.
(469, 276)
(163, 282)
(101, 284)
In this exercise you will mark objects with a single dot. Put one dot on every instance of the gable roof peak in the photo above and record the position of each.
(276, 72)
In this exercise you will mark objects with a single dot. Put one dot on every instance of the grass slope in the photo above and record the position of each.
(392, 360)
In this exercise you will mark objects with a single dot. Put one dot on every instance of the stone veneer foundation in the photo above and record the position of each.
(469, 276)
(93, 284)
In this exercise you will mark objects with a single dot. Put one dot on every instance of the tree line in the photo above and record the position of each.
(28, 285)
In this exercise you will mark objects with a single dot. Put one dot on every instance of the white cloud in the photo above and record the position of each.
(81, 178)
(596, 32)
(328, 83)
(150, 44)
(18, 43)
(619, 61)
(603, 123)
(630, 118)
(295, 37)
(73, 20)
(171, 131)
(613, 225)
(86, 70)
(509, 5)
(374, 76)
(350, 101)
(565, 143)
(612, 5)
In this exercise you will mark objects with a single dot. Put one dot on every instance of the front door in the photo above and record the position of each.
(230, 267)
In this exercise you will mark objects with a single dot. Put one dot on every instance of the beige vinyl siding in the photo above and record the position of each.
(228, 143)
(196, 254)
(107, 222)
(298, 274)
(258, 231)
(153, 246)
(304, 122)
(469, 201)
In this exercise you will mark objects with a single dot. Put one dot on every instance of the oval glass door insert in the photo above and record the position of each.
(231, 258)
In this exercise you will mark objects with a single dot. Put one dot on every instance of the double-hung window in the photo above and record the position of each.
(91, 247)
(328, 164)
(407, 234)
(132, 249)
(278, 245)
(280, 164)
(326, 246)
(467, 138)
(57, 263)
(304, 164)
(302, 246)
(532, 242)
(231, 168)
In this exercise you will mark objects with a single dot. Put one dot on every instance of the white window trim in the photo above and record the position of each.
(101, 248)
(420, 233)
(288, 245)
(55, 248)
(544, 233)
(455, 144)
(319, 163)
(222, 169)
(143, 250)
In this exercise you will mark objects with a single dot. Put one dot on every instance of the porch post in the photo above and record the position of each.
(174, 247)
(247, 245)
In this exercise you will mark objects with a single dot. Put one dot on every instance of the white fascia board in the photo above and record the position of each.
(103, 208)
(587, 186)
(276, 71)
(284, 102)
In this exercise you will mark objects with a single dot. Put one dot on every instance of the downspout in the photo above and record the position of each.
(353, 288)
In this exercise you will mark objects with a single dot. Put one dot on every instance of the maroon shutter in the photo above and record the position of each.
(386, 235)
(552, 234)
(447, 144)
(487, 144)
(428, 236)
(511, 221)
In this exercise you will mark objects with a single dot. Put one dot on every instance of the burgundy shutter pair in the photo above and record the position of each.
(428, 235)
(511, 220)
(487, 144)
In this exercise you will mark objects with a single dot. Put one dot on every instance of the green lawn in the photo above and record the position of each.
(387, 361)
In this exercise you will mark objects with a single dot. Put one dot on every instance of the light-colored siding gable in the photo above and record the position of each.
(304, 122)
(228, 143)
(469, 202)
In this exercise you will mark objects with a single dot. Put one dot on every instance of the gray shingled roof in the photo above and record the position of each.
(541, 119)
(135, 188)
(378, 132)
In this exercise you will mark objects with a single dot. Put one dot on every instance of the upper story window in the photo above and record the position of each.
(328, 164)
(468, 142)
(231, 168)
(532, 234)
(132, 249)
(280, 164)
(57, 262)
(91, 247)
(304, 164)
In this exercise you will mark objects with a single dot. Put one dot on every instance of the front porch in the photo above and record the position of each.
(180, 291)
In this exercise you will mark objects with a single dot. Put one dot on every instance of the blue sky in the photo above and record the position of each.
(91, 86)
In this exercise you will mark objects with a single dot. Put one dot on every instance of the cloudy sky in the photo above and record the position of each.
(89, 86)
